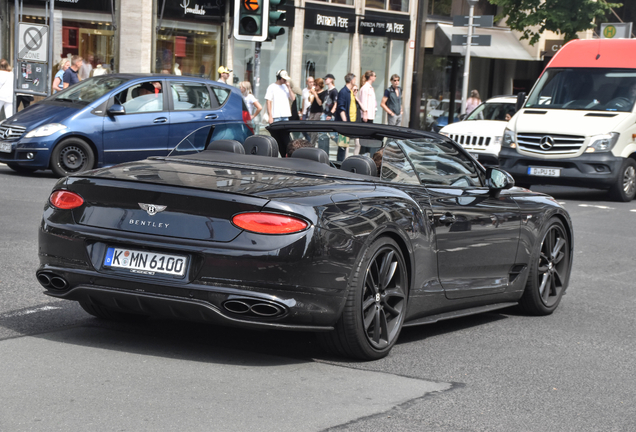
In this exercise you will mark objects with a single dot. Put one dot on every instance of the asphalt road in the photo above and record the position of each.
(62, 370)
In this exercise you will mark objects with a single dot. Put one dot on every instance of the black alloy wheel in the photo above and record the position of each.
(624, 189)
(375, 307)
(72, 156)
(549, 271)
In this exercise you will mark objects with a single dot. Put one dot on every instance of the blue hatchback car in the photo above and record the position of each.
(110, 119)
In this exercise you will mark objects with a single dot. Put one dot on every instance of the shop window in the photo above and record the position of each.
(326, 53)
(188, 48)
(392, 5)
(342, 2)
(440, 7)
(191, 96)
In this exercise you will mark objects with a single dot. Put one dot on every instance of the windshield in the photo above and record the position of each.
(89, 90)
(592, 89)
(493, 111)
(198, 140)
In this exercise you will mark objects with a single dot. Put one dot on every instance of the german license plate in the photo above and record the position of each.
(147, 263)
(5, 147)
(544, 172)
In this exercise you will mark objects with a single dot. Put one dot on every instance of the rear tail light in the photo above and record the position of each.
(65, 200)
(269, 223)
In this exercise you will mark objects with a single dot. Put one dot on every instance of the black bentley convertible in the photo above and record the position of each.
(232, 233)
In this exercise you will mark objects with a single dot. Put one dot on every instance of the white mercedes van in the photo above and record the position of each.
(578, 125)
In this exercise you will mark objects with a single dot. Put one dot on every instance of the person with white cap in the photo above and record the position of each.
(279, 97)
(224, 74)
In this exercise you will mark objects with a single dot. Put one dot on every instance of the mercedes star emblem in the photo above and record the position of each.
(546, 143)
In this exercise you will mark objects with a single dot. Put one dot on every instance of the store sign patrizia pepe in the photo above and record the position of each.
(385, 27)
(329, 19)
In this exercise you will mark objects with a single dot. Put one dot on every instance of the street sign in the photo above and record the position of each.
(616, 30)
(33, 42)
(478, 21)
(477, 40)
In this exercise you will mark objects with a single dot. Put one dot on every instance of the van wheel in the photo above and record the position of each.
(625, 187)
(72, 156)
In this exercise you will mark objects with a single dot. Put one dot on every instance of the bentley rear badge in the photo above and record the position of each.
(152, 209)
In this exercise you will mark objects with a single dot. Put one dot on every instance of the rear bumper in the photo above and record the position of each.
(593, 170)
(308, 292)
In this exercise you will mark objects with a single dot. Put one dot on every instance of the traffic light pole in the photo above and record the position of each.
(257, 67)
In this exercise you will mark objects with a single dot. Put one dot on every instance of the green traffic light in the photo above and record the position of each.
(275, 31)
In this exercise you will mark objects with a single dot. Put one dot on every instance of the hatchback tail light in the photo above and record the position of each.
(65, 200)
(247, 119)
(269, 223)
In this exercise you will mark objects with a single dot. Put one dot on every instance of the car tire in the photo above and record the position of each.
(21, 169)
(110, 314)
(549, 270)
(72, 156)
(624, 189)
(375, 307)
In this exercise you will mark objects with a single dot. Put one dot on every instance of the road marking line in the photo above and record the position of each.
(31, 311)
(597, 206)
(633, 210)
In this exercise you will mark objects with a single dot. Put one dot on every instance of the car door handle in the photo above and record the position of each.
(160, 120)
(211, 117)
(447, 218)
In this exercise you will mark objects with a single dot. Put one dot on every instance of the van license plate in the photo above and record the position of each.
(5, 147)
(544, 172)
(147, 263)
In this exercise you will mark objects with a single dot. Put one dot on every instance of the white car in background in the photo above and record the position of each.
(481, 132)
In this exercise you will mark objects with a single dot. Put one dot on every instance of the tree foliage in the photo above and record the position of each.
(567, 17)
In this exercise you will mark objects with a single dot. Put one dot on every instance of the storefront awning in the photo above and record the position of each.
(504, 45)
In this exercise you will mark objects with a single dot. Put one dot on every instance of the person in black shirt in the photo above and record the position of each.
(70, 75)
(331, 101)
(392, 101)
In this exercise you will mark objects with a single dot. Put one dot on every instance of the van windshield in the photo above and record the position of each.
(89, 90)
(590, 89)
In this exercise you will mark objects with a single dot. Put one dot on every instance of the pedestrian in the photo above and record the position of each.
(368, 102)
(331, 103)
(87, 67)
(58, 82)
(305, 94)
(472, 102)
(224, 75)
(296, 144)
(6, 88)
(279, 97)
(70, 75)
(253, 105)
(346, 111)
(392, 102)
(317, 97)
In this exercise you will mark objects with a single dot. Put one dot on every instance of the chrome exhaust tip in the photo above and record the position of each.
(266, 309)
(58, 283)
(237, 306)
(254, 308)
(44, 279)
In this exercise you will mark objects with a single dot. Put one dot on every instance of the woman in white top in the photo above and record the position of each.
(58, 81)
(472, 102)
(368, 102)
(6, 88)
(253, 106)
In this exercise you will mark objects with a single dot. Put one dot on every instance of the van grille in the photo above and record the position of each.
(471, 142)
(550, 144)
(11, 132)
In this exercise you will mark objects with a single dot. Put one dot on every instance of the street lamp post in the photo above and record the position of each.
(469, 40)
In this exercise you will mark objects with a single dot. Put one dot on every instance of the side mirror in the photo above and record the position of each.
(116, 110)
(497, 180)
(521, 98)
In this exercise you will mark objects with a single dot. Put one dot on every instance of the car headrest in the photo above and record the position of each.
(360, 164)
(261, 145)
(231, 146)
(311, 153)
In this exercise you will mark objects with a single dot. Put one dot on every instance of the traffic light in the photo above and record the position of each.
(275, 16)
(251, 20)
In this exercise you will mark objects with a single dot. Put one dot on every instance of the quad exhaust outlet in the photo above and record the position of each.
(51, 280)
(254, 308)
